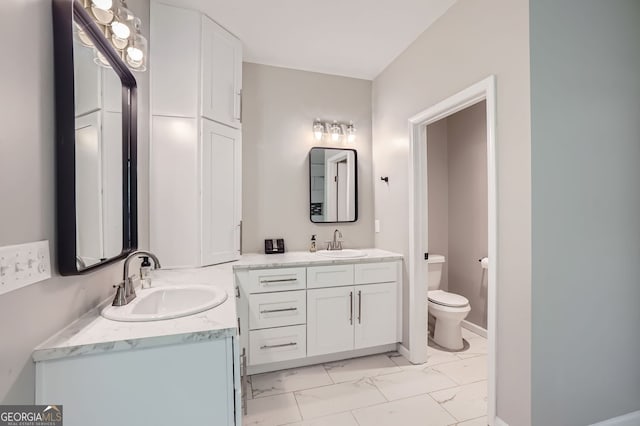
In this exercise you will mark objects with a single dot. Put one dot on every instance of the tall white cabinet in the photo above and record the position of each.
(196, 139)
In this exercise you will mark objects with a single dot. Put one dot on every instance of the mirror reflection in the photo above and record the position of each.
(98, 159)
(333, 185)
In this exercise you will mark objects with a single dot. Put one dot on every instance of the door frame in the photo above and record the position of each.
(418, 222)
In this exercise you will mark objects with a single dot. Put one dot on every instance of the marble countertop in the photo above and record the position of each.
(302, 258)
(93, 334)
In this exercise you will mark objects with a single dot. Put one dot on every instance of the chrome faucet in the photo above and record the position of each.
(336, 244)
(125, 292)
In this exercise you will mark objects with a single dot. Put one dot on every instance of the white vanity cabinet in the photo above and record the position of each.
(347, 318)
(196, 140)
(318, 312)
(182, 384)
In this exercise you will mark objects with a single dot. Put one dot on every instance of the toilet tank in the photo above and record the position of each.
(435, 265)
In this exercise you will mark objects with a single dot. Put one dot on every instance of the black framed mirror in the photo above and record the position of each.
(96, 135)
(333, 185)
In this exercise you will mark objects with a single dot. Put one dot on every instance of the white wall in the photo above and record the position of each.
(585, 93)
(438, 194)
(279, 107)
(30, 315)
(471, 41)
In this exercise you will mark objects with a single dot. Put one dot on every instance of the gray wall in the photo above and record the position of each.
(279, 106)
(31, 314)
(470, 42)
(585, 93)
(468, 215)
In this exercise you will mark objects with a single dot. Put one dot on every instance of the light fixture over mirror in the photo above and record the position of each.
(123, 30)
(335, 131)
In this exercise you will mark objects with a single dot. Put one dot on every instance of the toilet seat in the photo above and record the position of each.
(444, 298)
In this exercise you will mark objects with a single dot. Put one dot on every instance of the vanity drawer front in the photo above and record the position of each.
(329, 276)
(277, 344)
(277, 309)
(369, 273)
(279, 279)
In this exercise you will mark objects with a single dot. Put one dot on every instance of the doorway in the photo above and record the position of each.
(418, 223)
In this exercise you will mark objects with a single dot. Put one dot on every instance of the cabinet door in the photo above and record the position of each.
(173, 191)
(220, 193)
(330, 318)
(175, 36)
(376, 314)
(221, 74)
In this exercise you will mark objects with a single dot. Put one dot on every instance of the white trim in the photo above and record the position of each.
(631, 419)
(418, 208)
(474, 328)
(499, 422)
(402, 350)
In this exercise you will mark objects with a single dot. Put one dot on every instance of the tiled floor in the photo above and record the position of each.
(378, 390)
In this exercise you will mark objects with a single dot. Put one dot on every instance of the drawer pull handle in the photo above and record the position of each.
(359, 307)
(351, 308)
(271, 311)
(284, 345)
(281, 280)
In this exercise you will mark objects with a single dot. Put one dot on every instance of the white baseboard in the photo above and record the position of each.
(474, 328)
(403, 350)
(631, 419)
(499, 422)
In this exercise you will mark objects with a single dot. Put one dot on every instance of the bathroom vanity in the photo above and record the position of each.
(303, 308)
(179, 371)
(290, 310)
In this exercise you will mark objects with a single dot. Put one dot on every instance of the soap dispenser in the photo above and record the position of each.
(145, 272)
(312, 248)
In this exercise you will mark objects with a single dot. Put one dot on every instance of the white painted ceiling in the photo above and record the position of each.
(355, 38)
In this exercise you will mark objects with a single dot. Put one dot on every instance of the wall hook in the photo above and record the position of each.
(385, 178)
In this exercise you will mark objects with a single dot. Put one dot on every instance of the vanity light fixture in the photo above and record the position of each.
(123, 30)
(351, 133)
(335, 130)
(318, 130)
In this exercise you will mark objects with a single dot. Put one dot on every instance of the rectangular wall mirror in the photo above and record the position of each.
(96, 144)
(333, 185)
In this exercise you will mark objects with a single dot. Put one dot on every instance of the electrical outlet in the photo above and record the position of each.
(24, 264)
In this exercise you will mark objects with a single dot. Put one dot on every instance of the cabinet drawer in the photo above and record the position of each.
(277, 344)
(368, 273)
(329, 276)
(280, 279)
(277, 309)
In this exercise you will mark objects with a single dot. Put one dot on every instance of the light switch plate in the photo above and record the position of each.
(24, 264)
(377, 225)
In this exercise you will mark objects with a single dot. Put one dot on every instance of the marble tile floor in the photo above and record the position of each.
(378, 390)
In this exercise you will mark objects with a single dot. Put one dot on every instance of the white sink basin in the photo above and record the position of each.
(160, 303)
(342, 254)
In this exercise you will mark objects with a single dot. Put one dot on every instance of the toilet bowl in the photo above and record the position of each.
(448, 309)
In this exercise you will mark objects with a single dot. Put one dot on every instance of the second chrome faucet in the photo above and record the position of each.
(336, 244)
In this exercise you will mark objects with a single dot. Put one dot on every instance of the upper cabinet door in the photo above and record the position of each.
(175, 34)
(221, 75)
(221, 186)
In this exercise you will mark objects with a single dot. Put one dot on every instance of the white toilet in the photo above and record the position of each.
(449, 309)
